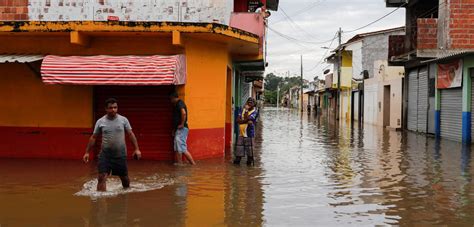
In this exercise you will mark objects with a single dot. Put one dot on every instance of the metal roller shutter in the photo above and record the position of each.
(246, 88)
(150, 113)
(412, 101)
(451, 114)
(422, 122)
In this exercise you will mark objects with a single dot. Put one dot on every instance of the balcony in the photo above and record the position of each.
(249, 22)
(396, 46)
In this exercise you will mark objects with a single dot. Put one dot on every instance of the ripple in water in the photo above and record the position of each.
(114, 186)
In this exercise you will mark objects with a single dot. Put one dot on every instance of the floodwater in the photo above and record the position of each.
(308, 172)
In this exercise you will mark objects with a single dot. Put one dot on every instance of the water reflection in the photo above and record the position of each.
(310, 171)
(361, 174)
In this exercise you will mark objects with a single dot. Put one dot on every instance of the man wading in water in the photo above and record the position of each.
(113, 154)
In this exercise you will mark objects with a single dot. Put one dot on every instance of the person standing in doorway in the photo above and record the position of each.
(247, 120)
(180, 130)
(113, 154)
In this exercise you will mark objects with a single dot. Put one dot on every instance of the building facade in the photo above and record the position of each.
(436, 55)
(65, 58)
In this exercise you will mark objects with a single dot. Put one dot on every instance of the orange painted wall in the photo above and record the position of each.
(228, 117)
(27, 102)
(71, 106)
(206, 84)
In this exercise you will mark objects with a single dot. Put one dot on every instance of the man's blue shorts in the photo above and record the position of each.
(180, 140)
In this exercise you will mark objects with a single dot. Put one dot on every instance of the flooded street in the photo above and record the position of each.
(308, 172)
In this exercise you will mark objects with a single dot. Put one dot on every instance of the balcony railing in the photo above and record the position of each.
(396, 45)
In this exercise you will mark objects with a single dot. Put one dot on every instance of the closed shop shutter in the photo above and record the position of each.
(412, 121)
(451, 114)
(150, 113)
(422, 122)
(245, 91)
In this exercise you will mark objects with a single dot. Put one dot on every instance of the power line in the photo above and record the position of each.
(295, 25)
(379, 19)
(304, 9)
(298, 40)
(324, 55)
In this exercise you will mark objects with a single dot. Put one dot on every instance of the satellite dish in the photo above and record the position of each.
(327, 71)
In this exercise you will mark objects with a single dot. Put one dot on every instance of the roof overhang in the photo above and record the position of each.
(449, 57)
(239, 42)
(251, 76)
(251, 66)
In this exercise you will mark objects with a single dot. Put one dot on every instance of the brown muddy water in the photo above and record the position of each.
(308, 172)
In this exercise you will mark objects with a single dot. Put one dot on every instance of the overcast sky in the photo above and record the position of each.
(316, 21)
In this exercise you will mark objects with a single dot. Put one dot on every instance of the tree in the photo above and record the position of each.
(272, 81)
(271, 86)
(271, 97)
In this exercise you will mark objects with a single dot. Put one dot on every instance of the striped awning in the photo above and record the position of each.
(114, 70)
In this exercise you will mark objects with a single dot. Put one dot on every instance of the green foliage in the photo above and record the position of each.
(271, 97)
(271, 85)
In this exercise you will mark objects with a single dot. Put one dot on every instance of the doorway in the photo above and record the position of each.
(386, 105)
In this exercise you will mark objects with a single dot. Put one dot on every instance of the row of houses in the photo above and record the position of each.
(416, 77)
(61, 60)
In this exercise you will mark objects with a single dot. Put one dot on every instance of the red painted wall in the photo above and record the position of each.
(206, 143)
(51, 143)
(240, 6)
(70, 143)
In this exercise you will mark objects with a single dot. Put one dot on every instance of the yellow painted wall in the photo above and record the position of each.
(26, 102)
(206, 83)
(346, 77)
(346, 59)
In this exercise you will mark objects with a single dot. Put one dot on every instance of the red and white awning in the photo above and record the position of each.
(114, 70)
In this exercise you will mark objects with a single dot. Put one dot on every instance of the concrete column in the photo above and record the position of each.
(468, 62)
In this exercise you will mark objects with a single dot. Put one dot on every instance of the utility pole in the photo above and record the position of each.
(301, 88)
(339, 65)
(278, 96)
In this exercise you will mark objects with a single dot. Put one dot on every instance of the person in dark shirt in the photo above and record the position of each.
(180, 129)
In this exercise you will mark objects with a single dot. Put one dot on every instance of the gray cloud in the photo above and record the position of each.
(318, 20)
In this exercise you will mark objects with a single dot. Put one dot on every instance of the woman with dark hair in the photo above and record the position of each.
(246, 120)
